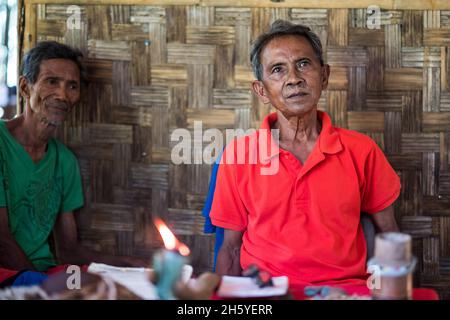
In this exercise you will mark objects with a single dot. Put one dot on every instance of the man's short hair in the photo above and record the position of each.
(46, 50)
(278, 29)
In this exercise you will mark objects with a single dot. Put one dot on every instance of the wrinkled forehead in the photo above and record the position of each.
(61, 68)
(287, 46)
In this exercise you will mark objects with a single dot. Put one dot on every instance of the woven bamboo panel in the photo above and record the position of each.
(158, 67)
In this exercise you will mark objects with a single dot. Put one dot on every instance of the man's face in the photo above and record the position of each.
(293, 78)
(55, 92)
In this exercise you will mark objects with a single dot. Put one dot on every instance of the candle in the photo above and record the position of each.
(168, 263)
(394, 265)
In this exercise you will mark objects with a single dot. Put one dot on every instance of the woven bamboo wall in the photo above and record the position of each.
(154, 68)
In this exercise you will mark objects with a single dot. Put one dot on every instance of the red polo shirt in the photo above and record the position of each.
(303, 221)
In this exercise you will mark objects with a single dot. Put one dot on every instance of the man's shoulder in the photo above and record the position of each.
(355, 140)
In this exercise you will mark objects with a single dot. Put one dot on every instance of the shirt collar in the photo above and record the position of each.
(328, 141)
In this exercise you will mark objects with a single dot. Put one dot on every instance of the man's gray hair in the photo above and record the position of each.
(46, 50)
(278, 29)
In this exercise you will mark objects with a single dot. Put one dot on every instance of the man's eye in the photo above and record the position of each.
(276, 69)
(303, 64)
(73, 87)
(52, 81)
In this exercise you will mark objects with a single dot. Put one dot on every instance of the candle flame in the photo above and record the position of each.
(169, 239)
(183, 250)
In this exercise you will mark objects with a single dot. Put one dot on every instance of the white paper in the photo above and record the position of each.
(135, 279)
(245, 287)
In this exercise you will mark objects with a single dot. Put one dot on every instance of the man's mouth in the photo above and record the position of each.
(60, 106)
(297, 95)
(60, 109)
(56, 114)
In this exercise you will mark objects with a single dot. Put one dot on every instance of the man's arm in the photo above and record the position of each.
(385, 220)
(70, 251)
(11, 254)
(228, 258)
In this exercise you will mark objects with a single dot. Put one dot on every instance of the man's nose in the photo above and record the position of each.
(295, 77)
(62, 93)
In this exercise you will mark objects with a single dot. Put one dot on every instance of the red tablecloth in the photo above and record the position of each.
(418, 293)
(297, 291)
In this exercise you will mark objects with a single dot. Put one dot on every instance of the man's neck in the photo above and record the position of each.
(30, 131)
(298, 129)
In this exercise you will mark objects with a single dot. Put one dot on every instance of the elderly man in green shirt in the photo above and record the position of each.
(40, 183)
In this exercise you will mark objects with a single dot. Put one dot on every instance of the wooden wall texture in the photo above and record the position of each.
(153, 69)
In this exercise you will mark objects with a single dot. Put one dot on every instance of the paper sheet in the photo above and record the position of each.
(245, 287)
(135, 279)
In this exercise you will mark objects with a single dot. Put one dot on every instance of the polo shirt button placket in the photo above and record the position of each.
(298, 193)
(291, 161)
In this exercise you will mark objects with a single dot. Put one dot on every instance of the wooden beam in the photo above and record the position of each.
(316, 4)
(117, 2)
(344, 4)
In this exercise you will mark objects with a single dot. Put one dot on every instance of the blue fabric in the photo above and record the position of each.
(29, 278)
(209, 227)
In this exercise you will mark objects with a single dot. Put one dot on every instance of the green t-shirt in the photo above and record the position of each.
(35, 193)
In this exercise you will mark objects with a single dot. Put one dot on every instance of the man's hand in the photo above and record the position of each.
(201, 288)
(71, 252)
(229, 257)
(11, 254)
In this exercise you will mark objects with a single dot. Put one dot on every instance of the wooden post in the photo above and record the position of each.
(20, 18)
(27, 37)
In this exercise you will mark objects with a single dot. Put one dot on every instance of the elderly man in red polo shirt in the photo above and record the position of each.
(303, 220)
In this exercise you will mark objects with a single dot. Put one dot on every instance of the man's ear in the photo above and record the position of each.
(258, 88)
(325, 76)
(24, 87)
